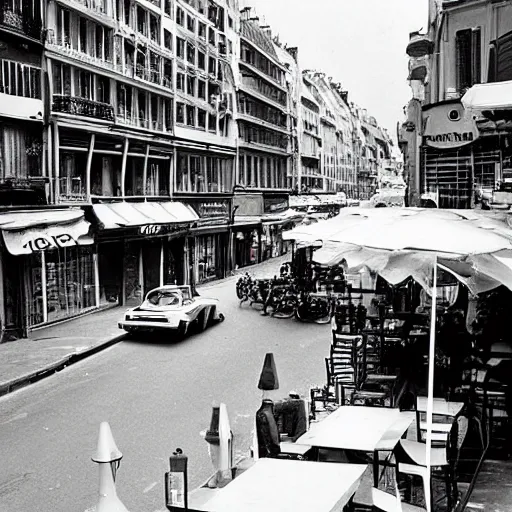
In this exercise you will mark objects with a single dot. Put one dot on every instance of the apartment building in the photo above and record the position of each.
(264, 141)
(23, 171)
(456, 139)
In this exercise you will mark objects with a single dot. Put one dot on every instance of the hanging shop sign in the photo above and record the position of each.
(213, 209)
(275, 204)
(448, 125)
(248, 204)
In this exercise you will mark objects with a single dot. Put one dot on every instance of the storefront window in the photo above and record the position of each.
(206, 258)
(157, 181)
(70, 285)
(34, 290)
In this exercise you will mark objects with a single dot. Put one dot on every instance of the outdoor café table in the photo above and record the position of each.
(362, 429)
(277, 485)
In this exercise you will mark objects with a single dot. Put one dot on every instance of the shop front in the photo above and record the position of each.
(246, 229)
(141, 246)
(49, 268)
(277, 217)
(209, 239)
(454, 161)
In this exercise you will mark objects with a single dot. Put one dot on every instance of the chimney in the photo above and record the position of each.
(266, 30)
(294, 52)
(245, 13)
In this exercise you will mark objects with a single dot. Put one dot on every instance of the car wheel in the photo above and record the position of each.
(202, 321)
(182, 329)
(221, 317)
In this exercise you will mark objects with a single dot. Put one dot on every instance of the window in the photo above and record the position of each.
(212, 122)
(180, 47)
(200, 6)
(180, 17)
(468, 48)
(167, 81)
(168, 114)
(143, 109)
(168, 40)
(84, 84)
(154, 29)
(142, 21)
(191, 115)
(124, 102)
(180, 81)
(201, 57)
(201, 118)
(20, 79)
(191, 23)
(168, 8)
(102, 89)
(201, 30)
(230, 22)
(82, 35)
(191, 53)
(211, 36)
(201, 89)
(180, 113)
(212, 64)
(191, 85)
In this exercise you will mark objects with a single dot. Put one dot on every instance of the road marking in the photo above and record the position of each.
(149, 487)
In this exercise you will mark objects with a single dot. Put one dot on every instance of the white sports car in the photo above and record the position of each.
(172, 307)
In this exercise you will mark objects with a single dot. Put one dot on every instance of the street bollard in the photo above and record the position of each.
(176, 482)
(108, 457)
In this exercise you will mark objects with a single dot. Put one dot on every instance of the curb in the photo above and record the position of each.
(42, 373)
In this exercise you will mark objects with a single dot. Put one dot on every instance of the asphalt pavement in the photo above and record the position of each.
(157, 395)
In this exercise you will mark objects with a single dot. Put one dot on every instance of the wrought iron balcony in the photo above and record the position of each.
(24, 23)
(82, 107)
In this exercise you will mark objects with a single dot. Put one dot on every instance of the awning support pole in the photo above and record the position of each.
(430, 400)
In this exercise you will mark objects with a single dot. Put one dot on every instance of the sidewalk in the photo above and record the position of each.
(50, 349)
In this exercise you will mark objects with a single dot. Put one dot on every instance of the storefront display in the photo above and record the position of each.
(206, 257)
(246, 247)
(66, 277)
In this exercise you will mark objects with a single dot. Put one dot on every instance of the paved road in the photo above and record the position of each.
(157, 396)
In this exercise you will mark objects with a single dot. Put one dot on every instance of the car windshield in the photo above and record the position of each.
(165, 298)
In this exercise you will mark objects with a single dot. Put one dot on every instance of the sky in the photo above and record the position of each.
(359, 43)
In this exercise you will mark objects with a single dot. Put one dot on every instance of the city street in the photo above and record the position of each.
(156, 395)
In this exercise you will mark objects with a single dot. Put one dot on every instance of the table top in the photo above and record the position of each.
(440, 406)
(277, 485)
(359, 428)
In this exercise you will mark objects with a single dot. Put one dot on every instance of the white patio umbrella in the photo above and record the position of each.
(475, 246)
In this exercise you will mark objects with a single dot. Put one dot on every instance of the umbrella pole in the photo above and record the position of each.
(430, 399)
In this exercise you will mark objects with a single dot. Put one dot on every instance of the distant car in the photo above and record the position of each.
(172, 308)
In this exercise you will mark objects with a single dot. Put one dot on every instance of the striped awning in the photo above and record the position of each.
(124, 215)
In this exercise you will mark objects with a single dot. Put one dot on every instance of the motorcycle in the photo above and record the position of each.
(314, 309)
(243, 286)
(284, 301)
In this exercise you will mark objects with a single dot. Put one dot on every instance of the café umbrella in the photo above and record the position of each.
(474, 246)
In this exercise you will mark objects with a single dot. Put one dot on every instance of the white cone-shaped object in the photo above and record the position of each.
(107, 455)
(220, 440)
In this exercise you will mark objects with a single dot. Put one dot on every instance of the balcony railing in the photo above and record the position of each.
(82, 107)
(21, 22)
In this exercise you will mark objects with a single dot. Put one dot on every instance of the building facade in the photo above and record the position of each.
(456, 150)
(148, 142)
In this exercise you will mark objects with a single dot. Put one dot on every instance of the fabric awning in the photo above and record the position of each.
(25, 232)
(125, 215)
(246, 220)
(496, 95)
(283, 217)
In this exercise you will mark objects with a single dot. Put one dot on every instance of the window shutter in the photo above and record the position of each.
(463, 59)
(476, 61)
(504, 58)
